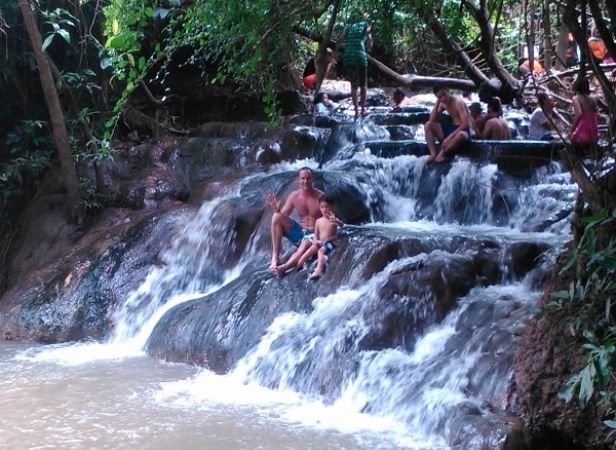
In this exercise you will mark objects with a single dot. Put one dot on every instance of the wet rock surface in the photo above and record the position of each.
(72, 298)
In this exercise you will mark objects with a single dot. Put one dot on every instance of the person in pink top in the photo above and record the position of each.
(585, 129)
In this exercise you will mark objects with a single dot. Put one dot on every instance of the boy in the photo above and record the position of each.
(326, 236)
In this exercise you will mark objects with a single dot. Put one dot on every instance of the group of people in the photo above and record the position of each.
(585, 124)
(452, 123)
(596, 46)
(357, 42)
(316, 233)
(461, 123)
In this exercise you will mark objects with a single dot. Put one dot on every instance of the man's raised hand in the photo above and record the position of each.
(273, 201)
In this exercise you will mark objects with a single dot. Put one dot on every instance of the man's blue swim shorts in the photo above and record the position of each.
(296, 233)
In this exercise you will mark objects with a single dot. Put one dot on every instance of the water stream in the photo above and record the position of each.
(318, 377)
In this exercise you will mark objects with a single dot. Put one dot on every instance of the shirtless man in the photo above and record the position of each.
(495, 127)
(305, 201)
(401, 101)
(450, 136)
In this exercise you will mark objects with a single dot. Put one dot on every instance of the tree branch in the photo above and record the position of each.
(281, 21)
(481, 15)
(410, 81)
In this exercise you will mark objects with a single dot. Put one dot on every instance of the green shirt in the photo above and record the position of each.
(354, 53)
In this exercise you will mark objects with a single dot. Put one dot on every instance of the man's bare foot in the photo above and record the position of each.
(440, 157)
(314, 276)
(279, 271)
(365, 113)
(429, 159)
(274, 264)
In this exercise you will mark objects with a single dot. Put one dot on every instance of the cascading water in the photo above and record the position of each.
(454, 379)
(466, 190)
(185, 271)
(371, 344)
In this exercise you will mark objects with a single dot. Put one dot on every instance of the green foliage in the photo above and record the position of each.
(126, 30)
(59, 19)
(29, 149)
(590, 298)
(93, 201)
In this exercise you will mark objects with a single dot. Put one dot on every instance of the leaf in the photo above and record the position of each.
(65, 35)
(115, 26)
(161, 13)
(149, 12)
(118, 42)
(566, 394)
(591, 221)
(131, 59)
(561, 295)
(586, 384)
(105, 63)
(47, 41)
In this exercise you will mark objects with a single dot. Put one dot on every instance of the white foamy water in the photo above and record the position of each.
(469, 185)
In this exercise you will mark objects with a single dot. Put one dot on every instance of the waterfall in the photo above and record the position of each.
(465, 193)
(440, 378)
(178, 279)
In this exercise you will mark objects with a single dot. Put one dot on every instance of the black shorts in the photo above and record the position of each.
(357, 75)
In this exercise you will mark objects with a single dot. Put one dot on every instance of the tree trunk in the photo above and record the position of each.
(56, 116)
(410, 81)
(100, 179)
(420, 82)
(453, 47)
(610, 6)
(596, 193)
(510, 85)
(547, 36)
(321, 59)
(530, 36)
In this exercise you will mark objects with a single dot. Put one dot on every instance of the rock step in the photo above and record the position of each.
(513, 156)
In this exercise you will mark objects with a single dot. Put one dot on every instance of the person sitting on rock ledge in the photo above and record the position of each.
(305, 201)
(540, 127)
(323, 104)
(450, 136)
(495, 127)
(400, 101)
(478, 118)
(326, 235)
